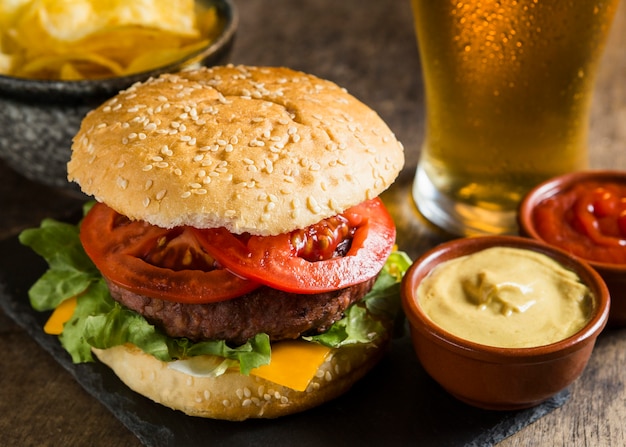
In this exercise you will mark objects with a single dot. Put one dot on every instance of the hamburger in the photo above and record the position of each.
(236, 262)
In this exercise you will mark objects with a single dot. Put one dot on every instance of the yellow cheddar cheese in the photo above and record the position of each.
(294, 363)
(60, 316)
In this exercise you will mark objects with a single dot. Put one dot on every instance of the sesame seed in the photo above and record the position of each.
(146, 202)
(147, 168)
(161, 194)
(312, 205)
(122, 182)
(185, 195)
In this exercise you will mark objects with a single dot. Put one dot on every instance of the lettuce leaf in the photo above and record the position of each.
(101, 322)
(365, 320)
(71, 271)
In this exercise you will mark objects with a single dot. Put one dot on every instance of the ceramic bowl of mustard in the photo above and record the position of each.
(584, 213)
(503, 322)
(44, 98)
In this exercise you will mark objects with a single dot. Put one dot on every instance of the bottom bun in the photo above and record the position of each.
(233, 396)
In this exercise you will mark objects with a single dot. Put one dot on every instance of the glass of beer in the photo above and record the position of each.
(508, 88)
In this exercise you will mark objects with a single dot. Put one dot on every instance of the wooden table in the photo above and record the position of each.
(369, 48)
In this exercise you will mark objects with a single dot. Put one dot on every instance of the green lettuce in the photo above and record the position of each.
(100, 322)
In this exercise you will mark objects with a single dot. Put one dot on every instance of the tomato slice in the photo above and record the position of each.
(156, 262)
(338, 252)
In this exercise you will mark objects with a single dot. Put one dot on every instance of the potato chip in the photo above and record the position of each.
(162, 57)
(69, 72)
(75, 39)
(40, 67)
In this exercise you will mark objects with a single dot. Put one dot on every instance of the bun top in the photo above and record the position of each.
(263, 150)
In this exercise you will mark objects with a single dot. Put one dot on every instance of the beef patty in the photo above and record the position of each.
(281, 315)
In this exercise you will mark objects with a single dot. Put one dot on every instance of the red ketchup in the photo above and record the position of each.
(588, 220)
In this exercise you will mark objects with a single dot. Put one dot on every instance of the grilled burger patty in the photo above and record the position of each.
(279, 314)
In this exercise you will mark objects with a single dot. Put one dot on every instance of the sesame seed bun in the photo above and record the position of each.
(263, 150)
(233, 396)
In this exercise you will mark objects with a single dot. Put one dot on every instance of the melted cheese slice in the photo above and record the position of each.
(60, 316)
(294, 363)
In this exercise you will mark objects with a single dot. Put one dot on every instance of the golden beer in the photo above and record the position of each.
(508, 88)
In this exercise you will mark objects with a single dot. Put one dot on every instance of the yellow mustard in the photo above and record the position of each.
(506, 297)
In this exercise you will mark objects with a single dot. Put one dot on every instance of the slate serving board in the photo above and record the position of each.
(396, 404)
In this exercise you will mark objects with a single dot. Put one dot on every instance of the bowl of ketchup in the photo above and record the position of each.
(584, 213)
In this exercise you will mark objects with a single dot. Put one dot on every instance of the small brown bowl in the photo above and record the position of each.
(499, 378)
(614, 274)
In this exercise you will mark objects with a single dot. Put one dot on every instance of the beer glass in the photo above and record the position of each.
(508, 88)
